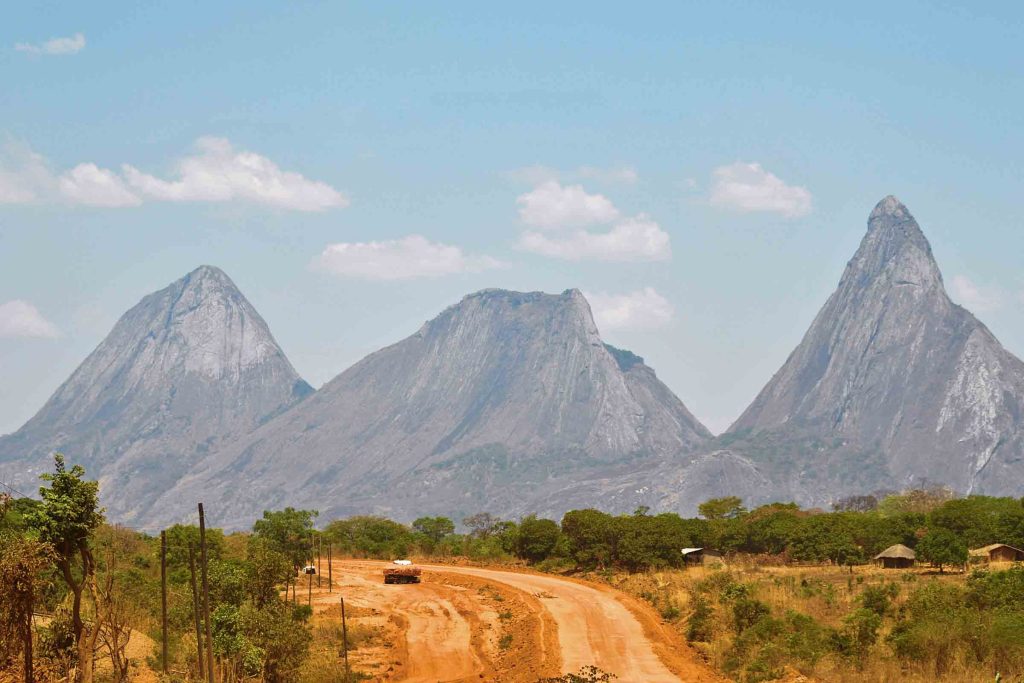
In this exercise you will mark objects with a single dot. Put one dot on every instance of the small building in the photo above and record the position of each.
(997, 552)
(698, 556)
(896, 556)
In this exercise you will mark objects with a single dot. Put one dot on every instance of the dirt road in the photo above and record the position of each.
(468, 623)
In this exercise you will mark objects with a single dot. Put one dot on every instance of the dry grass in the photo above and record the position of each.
(828, 594)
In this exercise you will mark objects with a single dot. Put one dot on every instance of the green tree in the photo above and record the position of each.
(66, 520)
(180, 537)
(434, 528)
(591, 537)
(942, 547)
(369, 536)
(537, 538)
(729, 507)
(289, 532)
(482, 524)
(265, 570)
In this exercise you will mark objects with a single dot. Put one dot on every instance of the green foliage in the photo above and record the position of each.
(591, 537)
(181, 537)
(729, 507)
(762, 650)
(700, 626)
(878, 598)
(69, 512)
(537, 538)
(368, 536)
(434, 528)
(289, 532)
(942, 547)
(265, 570)
(746, 612)
(860, 633)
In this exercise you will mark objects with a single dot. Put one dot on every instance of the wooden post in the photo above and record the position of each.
(344, 639)
(310, 599)
(330, 574)
(26, 637)
(319, 556)
(163, 601)
(206, 595)
(196, 610)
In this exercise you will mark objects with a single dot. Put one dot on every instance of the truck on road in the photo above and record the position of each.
(403, 571)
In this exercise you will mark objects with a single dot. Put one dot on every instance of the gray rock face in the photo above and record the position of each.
(501, 400)
(893, 385)
(186, 369)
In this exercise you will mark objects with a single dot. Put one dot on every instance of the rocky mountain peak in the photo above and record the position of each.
(894, 249)
(497, 402)
(892, 384)
(187, 367)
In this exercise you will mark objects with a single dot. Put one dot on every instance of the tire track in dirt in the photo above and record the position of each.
(559, 625)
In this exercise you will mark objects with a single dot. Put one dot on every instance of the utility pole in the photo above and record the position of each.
(206, 595)
(330, 575)
(163, 600)
(310, 599)
(196, 610)
(319, 557)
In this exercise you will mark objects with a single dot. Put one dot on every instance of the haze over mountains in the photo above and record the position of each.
(511, 403)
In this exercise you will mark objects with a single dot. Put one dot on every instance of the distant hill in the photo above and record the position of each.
(184, 371)
(511, 403)
(501, 400)
(893, 385)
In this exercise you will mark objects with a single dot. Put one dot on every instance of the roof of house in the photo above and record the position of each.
(898, 551)
(688, 551)
(981, 552)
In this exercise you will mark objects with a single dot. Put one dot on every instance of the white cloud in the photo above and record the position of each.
(401, 259)
(552, 205)
(749, 188)
(642, 309)
(219, 173)
(976, 297)
(21, 319)
(634, 239)
(54, 46)
(94, 186)
(215, 173)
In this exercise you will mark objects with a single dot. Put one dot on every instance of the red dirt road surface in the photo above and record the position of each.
(476, 624)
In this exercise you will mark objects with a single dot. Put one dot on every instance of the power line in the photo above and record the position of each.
(13, 490)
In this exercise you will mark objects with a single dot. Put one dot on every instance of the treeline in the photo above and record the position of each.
(101, 584)
(939, 526)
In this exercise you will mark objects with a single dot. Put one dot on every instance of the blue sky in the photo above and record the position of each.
(702, 172)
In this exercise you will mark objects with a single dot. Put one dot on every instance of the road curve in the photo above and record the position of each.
(594, 627)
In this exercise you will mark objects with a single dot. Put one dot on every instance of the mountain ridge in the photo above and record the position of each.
(500, 383)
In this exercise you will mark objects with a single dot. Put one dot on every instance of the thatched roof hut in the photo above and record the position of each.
(896, 556)
(997, 552)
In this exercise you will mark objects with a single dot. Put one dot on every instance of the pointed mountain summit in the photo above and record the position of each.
(493, 404)
(893, 385)
(187, 368)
